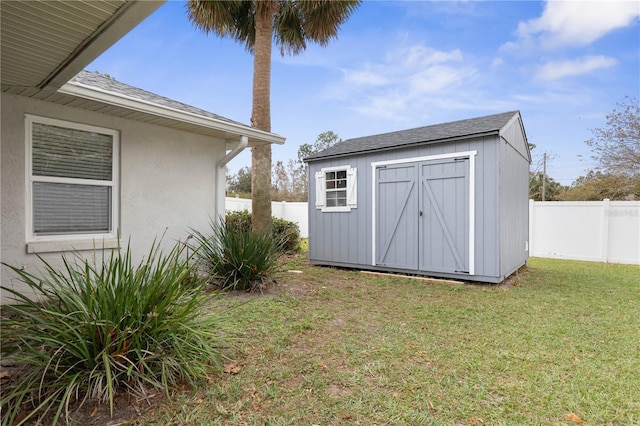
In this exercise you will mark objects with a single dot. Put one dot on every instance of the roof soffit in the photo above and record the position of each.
(44, 43)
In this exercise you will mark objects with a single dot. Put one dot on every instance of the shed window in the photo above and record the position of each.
(336, 189)
(72, 172)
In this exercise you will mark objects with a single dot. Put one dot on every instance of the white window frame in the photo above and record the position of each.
(351, 188)
(64, 242)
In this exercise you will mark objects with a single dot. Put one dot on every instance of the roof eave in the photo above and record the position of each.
(98, 95)
(112, 30)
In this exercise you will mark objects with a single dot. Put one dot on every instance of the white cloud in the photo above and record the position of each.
(422, 56)
(575, 23)
(555, 70)
(403, 81)
(388, 106)
(364, 78)
(437, 78)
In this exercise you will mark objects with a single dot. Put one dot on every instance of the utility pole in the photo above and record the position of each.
(544, 175)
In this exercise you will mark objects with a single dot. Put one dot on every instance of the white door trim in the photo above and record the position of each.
(471, 155)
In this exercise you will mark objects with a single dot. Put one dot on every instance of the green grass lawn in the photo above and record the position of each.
(559, 345)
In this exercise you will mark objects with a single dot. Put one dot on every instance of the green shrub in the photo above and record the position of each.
(288, 232)
(282, 229)
(105, 325)
(239, 220)
(236, 259)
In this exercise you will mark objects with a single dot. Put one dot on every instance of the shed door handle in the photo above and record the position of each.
(420, 212)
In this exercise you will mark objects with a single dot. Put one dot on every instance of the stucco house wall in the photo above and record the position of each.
(167, 180)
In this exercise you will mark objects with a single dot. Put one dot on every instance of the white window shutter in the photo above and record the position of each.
(352, 188)
(319, 190)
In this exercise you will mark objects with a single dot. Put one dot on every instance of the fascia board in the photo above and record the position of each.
(134, 104)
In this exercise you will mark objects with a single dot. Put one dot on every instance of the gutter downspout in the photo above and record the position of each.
(221, 175)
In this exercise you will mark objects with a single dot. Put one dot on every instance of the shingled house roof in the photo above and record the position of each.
(111, 85)
(490, 124)
(96, 92)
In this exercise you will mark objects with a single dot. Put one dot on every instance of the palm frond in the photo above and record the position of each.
(294, 22)
(231, 18)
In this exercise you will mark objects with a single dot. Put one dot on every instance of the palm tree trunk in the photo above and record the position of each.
(261, 119)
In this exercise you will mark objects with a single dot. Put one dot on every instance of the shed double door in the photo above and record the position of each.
(422, 215)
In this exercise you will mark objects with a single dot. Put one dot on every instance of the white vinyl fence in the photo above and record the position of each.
(291, 211)
(600, 231)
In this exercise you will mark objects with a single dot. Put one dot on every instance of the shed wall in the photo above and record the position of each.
(514, 210)
(345, 238)
(167, 180)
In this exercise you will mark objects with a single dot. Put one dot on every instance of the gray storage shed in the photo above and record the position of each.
(447, 200)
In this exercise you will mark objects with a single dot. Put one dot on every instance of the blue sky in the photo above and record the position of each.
(404, 64)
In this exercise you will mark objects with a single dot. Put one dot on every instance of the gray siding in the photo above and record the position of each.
(514, 210)
(338, 236)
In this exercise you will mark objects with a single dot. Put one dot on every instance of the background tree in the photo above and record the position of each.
(289, 183)
(616, 150)
(539, 180)
(596, 186)
(616, 147)
(256, 23)
(552, 188)
(323, 141)
(240, 183)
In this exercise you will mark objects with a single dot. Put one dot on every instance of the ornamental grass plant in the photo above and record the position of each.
(106, 325)
(236, 259)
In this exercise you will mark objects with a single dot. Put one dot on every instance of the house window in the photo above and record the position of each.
(72, 180)
(336, 189)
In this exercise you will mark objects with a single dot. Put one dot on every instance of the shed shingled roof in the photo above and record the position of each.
(428, 134)
(98, 81)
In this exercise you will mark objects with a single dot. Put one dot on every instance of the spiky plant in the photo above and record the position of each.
(104, 325)
(235, 258)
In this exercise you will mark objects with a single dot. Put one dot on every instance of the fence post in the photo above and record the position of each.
(604, 254)
(531, 205)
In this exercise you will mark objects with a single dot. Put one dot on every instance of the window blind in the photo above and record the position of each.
(71, 153)
(70, 209)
